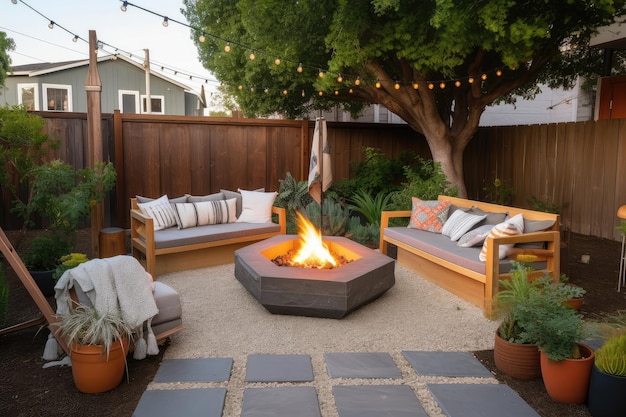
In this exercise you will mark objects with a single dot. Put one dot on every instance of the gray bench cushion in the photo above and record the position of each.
(174, 237)
(442, 247)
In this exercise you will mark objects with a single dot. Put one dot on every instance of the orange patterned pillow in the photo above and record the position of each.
(429, 215)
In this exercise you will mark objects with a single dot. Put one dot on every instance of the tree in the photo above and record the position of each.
(6, 45)
(437, 64)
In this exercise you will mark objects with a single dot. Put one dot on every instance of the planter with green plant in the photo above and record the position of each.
(98, 346)
(608, 376)
(43, 257)
(516, 352)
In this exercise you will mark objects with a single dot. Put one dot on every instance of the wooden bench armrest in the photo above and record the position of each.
(282, 218)
(384, 223)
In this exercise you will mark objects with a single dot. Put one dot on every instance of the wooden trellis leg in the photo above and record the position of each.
(20, 269)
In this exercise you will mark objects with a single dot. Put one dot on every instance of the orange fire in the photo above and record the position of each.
(313, 252)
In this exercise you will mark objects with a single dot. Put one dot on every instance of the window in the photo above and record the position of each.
(28, 96)
(57, 97)
(156, 103)
(129, 101)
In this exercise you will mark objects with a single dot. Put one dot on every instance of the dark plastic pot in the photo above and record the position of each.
(44, 281)
(606, 394)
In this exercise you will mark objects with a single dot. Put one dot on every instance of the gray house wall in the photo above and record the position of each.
(115, 75)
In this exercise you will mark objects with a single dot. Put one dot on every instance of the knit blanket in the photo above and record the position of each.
(117, 285)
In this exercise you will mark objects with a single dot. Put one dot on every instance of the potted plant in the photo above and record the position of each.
(578, 296)
(69, 261)
(515, 348)
(608, 375)
(42, 259)
(98, 346)
(565, 362)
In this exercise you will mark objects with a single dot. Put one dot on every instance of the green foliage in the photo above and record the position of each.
(4, 296)
(499, 192)
(84, 325)
(370, 207)
(368, 235)
(543, 205)
(525, 301)
(622, 226)
(292, 195)
(6, 45)
(426, 181)
(334, 219)
(611, 356)
(46, 251)
(68, 261)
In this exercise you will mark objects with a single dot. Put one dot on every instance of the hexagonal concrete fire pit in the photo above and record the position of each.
(331, 293)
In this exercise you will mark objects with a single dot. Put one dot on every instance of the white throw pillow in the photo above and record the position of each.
(511, 227)
(161, 211)
(459, 223)
(205, 212)
(256, 207)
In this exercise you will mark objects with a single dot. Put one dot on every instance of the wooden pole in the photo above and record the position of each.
(93, 87)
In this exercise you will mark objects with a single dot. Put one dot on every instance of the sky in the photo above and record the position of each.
(131, 31)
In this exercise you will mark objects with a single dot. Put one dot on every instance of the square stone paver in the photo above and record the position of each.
(194, 370)
(377, 401)
(480, 400)
(460, 364)
(279, 368)
(361, 365)
(197, 402)
(281, 401)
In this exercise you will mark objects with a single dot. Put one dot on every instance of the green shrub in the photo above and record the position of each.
(368, 235)
(335, 217)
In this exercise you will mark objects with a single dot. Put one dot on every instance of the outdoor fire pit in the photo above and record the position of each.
(331, 293)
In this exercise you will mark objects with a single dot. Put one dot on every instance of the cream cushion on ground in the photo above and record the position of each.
(161, 211)
(256, 206)
(511, 227)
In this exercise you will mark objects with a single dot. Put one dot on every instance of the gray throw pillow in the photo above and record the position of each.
(475, 237)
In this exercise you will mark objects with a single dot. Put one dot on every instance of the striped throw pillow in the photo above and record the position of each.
(205, 212)
(459, 223)
(511, 227)
(161, 212)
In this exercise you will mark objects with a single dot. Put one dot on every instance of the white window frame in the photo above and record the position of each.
(45, 87)
(35, 87)
(162, 98)
(122, 93)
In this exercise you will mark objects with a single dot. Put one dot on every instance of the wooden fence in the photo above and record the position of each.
(576, 166)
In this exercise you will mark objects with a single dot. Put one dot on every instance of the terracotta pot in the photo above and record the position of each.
(520, 361)
(575, 303)
(91, 370)
(567, 381)
(605, 394)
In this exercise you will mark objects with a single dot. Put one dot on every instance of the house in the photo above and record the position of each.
(60, 86)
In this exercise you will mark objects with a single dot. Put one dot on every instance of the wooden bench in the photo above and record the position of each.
(478, 288)
(158, 261)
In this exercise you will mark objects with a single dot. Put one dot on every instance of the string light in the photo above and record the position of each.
(252, 56)
(166, 21)
(377, 84)
(415, 85)
(321, 74)
(499, 73)
(442, 85)
(396, 85)
(285, 92)
(431, 86)
(471, 80)
(483, 77)
(320, 93)
(336, 92)
(303, 93)
(299, 67)
(457, 83)
(124, 6)
(339, 79)
(277, 61)
(357, 82)
(75, 38)
(202, 38)
(51, 25)
(227, 47)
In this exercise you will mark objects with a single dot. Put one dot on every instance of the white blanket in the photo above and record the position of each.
(113, 285)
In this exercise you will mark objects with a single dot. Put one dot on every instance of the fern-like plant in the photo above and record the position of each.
(292, 195)
(370, 207)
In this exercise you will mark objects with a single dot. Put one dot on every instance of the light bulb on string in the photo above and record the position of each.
(321, 74)
(114, 58)
(277, 61)
(303, 93)
(457, 83)
(299, 67)
(336, 92)
(202, 37)
(51, 25)
(320, 93)
(357, 82)
(442, 85)
(499, 73)
(124, 6)
(166, 22)
(431, 86)
(471, 80)
(240, 87)
(285, 92)
(75, 38)
(252, 56)
(339, 78)
(351, 91)
(483, 77)
(377, 84)
(227, 47)
(14, 1)
(396, 85)
(267, 90)
(415, 86)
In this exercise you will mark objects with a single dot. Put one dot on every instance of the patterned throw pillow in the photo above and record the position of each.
(161, 211)
(428, 215)
(511, 227)
(475, 237)
(459, 223)
(205, 212)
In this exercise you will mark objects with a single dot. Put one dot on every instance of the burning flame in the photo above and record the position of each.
(313, 253)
